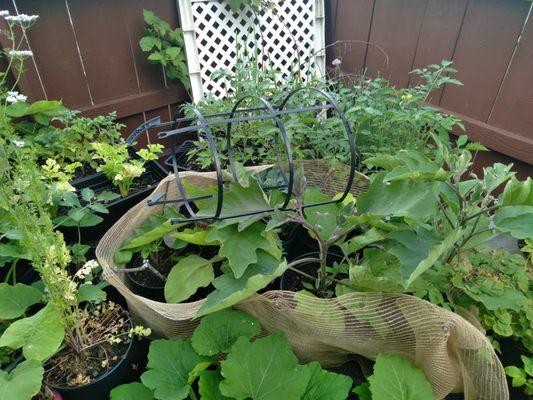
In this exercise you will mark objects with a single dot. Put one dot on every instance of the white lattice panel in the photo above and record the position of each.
(213, 34)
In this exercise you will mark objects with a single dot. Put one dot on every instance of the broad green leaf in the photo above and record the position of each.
(90, 220)
(130, 391)
(17, 109)
(40, 335)
(518, 375)
(237, 200)
(218, 332)
(395, 378)
(495, 175)
(240, 247)
(152, 235)
(107, 196)
(15, 251)
(518, 193)
(265, 369)
(14, 300)
(208, 386)
(147, 43)
(187, 276)
(324, 385)
(169, 365)
(414, 199)
(91, 293)
(323, 217)
(528, 364)
(358, 242)
(510, 299)
(363, 391)
(230, 291)
(515, 220)
(87, 194)
(54, 107)
(416, 165)
(419, 252)
(193, 236)
(383, 161)
(23, 382)
(122, 257)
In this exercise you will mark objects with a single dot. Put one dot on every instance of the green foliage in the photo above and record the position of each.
(14, 300)
(39, 335)
(117, 166)
(187, 276)
(134, 390)
(166, 47)
(522, 377)
(218, 332)
(23, 382)
(395, 377)
(258, 370)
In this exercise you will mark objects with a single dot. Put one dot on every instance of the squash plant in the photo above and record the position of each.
(222, 361)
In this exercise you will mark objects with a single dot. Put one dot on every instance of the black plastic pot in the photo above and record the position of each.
(116, 208)
(156, 293)
(126, 370)
(182, 158)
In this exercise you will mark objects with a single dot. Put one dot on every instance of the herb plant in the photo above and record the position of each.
(116, 164)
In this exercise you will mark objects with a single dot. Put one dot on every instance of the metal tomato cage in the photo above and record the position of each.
(203, 126)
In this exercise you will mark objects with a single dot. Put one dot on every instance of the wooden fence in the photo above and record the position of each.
(489, 41)
(86, 52)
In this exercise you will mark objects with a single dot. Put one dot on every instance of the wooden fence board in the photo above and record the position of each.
(438, 36)
(513, 109)
(490, 31)
(110, 68)
(395, 27)
(52, 38)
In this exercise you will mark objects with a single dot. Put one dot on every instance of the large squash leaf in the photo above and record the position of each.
(14, 300)
(39, 335)
(230, 290)
(395, 378)
(169, 364)
(208, 386)
(265, 369)
(23, 382)
(324, 385)
(129, 391)
(218, 332)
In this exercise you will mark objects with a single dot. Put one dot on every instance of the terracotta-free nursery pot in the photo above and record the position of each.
(125, 371)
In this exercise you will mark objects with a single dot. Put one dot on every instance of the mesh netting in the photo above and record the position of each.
(454, 355)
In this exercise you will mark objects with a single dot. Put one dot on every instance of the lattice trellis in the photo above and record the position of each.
(290, 36)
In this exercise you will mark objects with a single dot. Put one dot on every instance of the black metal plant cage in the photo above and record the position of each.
(203, 126)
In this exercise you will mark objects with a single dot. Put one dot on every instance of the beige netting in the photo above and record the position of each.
(454, 355)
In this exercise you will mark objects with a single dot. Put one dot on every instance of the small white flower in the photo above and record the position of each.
(20, 53)
(18, 143)
(336, 62)
(4, 13)
(21, 18)
(13, 97)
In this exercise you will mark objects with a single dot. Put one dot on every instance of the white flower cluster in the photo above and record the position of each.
(20, 53)
(4, 13)
(14, 97)
(21, 18)
(86, 269)
(18, 143)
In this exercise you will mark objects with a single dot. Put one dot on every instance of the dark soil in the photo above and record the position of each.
(69, 368)
(144, 181)
(147, 277)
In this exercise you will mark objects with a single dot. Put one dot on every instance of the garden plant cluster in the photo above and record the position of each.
(426, 226)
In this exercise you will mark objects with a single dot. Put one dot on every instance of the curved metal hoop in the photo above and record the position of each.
(288, 151)
(347, 128)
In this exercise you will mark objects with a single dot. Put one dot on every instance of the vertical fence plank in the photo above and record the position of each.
(353, 19)
(513, 109)
(55, 52)
(105, 47)
(438, 36)
(490, 31)
(396, 28)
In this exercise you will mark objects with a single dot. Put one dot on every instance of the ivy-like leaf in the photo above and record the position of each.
(23, 382)
(326, 385)
(14, 300)
(187, 276)
(218, 332)
(39, 335)
(265, 369)
(230, 291)
(169, 364)
(129, 391)
(395, 378)
(240, 247)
